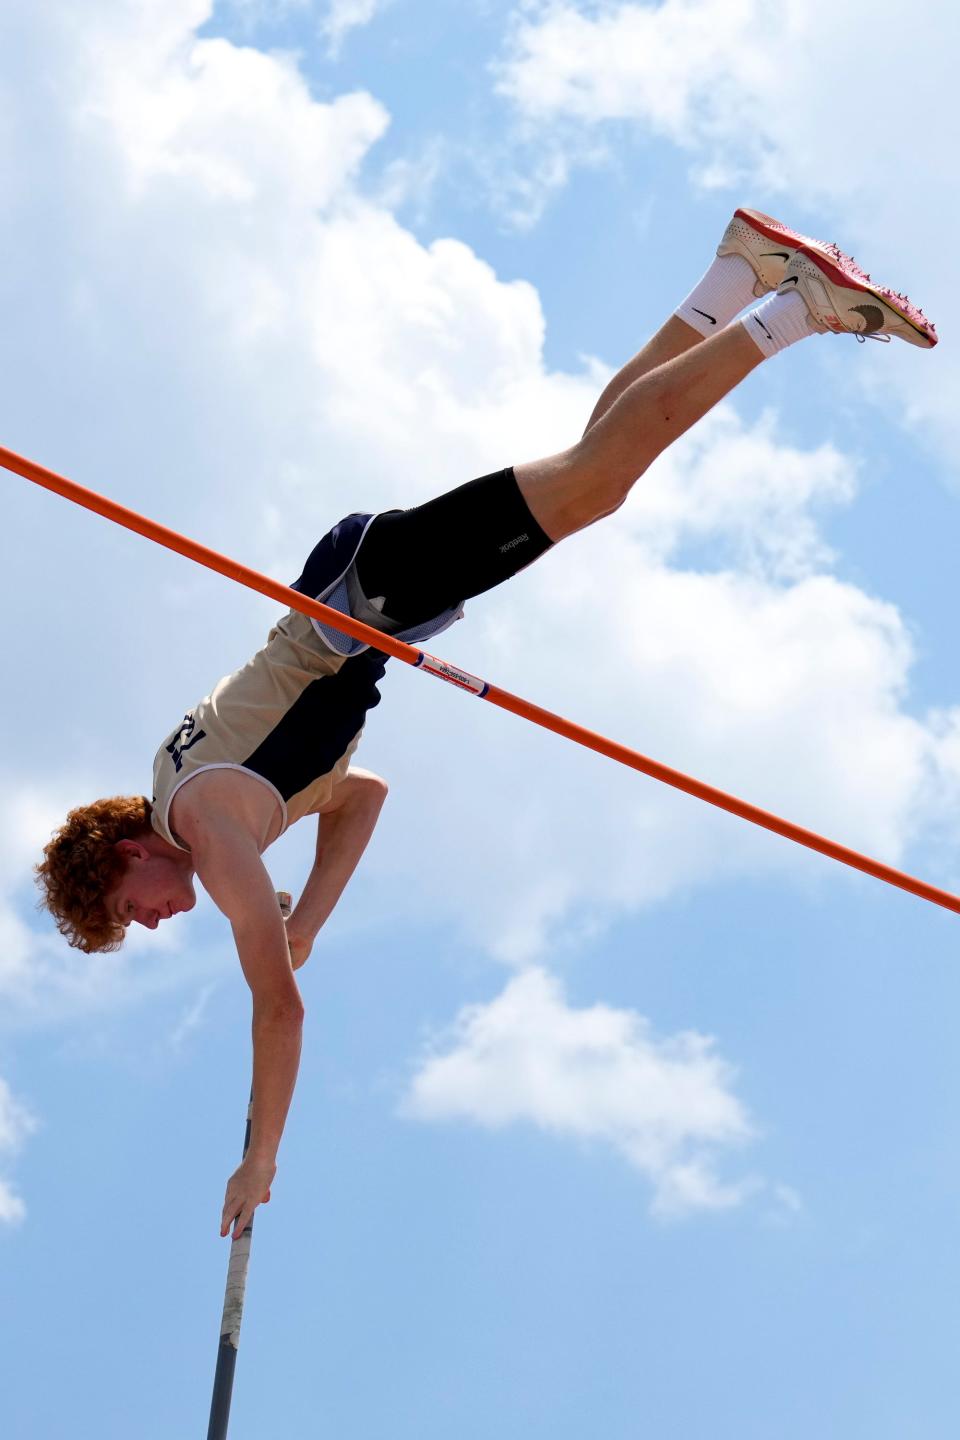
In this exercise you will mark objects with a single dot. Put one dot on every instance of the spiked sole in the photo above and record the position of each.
(853, 278)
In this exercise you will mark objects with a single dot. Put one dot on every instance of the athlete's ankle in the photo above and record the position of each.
(725, 290)
(778, 322)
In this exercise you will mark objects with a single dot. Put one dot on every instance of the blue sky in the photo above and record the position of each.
(615, 1116)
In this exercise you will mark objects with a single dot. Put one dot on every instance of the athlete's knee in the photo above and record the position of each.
(612, 506)
(603, 477)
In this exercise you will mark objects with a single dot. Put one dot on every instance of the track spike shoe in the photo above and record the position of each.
(842, 298)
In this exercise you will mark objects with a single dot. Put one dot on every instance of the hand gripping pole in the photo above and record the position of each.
(441, 670)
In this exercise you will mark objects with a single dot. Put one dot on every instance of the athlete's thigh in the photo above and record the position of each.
(449, 549)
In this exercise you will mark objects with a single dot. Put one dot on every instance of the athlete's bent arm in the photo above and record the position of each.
(345, 825)
(229, 867)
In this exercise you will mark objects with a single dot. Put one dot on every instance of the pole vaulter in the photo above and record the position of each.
(273, 742)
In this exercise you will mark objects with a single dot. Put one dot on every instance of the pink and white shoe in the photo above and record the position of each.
(767, 244)
(841, 297)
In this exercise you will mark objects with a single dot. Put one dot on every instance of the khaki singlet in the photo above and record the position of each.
(291, 717)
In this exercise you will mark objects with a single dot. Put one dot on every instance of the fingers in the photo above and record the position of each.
(237, 1214)
(238, 1221)
(245, 1191)
(228, 1218)
(243, 1219)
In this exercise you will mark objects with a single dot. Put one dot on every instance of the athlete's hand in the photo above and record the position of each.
(299, 950)
(248, 1187)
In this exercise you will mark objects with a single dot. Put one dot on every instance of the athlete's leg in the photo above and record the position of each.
(643, 411)
(468, 540)
(473, 538)
(593, 478)
(750, 262)
(431, 558)
(420, 562)
(673, 339)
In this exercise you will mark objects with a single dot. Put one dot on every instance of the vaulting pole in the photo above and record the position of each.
(235, 1292)
(441, 670)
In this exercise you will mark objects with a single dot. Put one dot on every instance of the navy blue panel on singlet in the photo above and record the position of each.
(318, 727)
(325, 578)
(331, 557)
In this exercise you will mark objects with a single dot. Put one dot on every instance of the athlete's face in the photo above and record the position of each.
(154, 888)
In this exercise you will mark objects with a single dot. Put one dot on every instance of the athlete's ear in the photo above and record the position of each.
(132, 850)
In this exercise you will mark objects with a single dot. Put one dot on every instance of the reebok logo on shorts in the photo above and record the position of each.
(512, 544)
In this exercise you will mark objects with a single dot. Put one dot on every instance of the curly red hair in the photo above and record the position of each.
(81, 864)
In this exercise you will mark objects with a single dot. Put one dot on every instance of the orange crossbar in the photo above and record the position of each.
(162, 535)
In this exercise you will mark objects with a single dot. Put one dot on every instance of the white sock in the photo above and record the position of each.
(725, 290)
(780, 321)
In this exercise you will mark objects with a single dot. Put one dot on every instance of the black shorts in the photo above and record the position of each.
(428, 559)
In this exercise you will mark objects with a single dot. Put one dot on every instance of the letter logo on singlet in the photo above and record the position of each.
(187, 735)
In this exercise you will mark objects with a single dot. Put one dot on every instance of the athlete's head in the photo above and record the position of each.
(106, 867)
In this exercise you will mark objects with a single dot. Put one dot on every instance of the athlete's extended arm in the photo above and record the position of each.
(229, 867)
(346, 823)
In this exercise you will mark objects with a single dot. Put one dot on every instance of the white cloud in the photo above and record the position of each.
(333, 19)
(227, 124)
(12, 1209)
(670, 65)
(731, 78)
(192, 1017)
(16, 1123)
(767, 101)
(342, 16)
(250, 15)
(598, 1075)
(746, 491)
